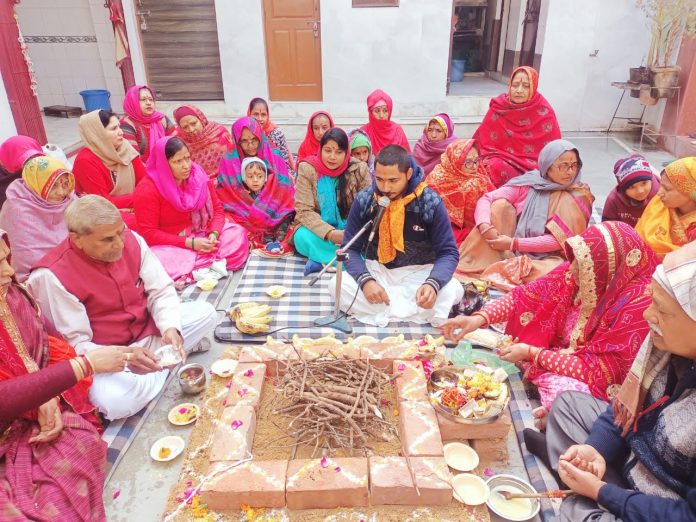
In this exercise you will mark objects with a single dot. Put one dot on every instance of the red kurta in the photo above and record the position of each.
(161, 224)
(93, 177)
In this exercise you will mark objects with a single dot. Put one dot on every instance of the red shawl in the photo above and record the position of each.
(615, 268)
(323, 170)
(209, 145)
(511, 135)
(310, 145)
(383, 132)
(459, 190)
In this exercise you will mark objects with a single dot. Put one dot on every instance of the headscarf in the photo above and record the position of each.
(16, 150)
(35, 225)
(391, 228)
(118, 161)
(512, 135)
(131, 106)
(248, 161)
(428, 153)
(322, 169)
(677, 276)
(310, 145)
(359, 138)
(207, 146)
(664, 229)
(269, 125)
(459, 190)
(533, 76)
(532, 221)
(40, 174)
(192, 196)
(383, 132)
(614, 269)
(277, 198)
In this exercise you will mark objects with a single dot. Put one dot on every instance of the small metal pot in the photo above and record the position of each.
(192, 378)
(441, 379)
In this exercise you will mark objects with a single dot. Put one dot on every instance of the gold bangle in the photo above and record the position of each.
(77, 370)
(536, 357)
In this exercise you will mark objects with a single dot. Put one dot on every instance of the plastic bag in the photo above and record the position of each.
(56, 152)
(465, 354)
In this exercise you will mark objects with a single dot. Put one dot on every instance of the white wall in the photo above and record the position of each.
(64, 69)
(577, 85)
(7, 125)
(401, 50)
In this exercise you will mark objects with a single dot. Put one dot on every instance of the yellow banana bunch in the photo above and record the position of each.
(251, 317)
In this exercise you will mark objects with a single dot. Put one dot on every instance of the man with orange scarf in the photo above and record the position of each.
(406, 273)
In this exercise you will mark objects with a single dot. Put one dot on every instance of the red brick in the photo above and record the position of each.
(230, 443)
(491, 451)
(270, 355)
(455, 431)
(391, 482)
(419, 431)
(258, 483)
(411, 384)
(382, 355)
(247, 390)
(341, 351)
(311, 486)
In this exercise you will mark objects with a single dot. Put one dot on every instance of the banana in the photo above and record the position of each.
(252, 317)
(249, 327)
(257, 311)
(329, 339)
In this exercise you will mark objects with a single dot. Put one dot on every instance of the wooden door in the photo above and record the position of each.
(180, 44)
(15, 74)
(293, 49)
(529, 34)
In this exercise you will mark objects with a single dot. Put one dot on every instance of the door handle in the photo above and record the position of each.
(143, 22)
(315, 26)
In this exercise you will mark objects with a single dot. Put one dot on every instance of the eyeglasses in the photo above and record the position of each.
(565, 167)
(470, 164)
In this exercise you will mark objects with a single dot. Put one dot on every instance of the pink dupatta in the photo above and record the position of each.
(131, 106)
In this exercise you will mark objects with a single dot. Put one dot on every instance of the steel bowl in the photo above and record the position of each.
(441, 379)
(500, 481)
(192, 378)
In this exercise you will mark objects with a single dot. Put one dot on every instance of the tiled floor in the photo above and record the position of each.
(62, 131)
(476, 86)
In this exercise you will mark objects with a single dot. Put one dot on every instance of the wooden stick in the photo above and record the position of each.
(553, 493)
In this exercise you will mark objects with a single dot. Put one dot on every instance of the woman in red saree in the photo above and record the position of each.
(318, 124)
(580, 326)
(51, 455)
(516, 127)
(206, 140)
(380, 128)
(460, 179)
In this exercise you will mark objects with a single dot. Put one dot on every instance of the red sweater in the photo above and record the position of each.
(160, 223)
(93, 177)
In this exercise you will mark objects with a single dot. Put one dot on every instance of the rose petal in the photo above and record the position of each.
(401, 367)
(242, 392)
(488, 472)
(337, 469)
(228, 385)
(117, 494)
(236, 424)
(422, 342)
(249, 373)
(224, 402)
(189, 483)
(324, 462)
(183, 410)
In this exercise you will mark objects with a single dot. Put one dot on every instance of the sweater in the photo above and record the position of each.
(161, 224)
(428, 237)
(659, 459)
(93, 177)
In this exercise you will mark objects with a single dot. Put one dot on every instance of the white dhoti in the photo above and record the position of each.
(122, 394)
(401, 285)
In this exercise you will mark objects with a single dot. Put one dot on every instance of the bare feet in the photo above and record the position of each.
(539, 415)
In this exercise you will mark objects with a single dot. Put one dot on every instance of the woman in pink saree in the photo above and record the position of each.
(180, 216)
(52, 458)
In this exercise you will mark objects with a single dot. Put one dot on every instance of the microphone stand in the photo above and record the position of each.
(335, 320)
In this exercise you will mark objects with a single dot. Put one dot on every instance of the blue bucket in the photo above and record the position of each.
(457, 71)
(96, 99)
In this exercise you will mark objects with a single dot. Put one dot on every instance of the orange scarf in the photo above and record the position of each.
(391, 228)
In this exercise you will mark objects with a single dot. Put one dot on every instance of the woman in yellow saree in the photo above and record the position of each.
(669, 220)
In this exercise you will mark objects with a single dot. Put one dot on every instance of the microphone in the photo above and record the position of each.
(383, 203)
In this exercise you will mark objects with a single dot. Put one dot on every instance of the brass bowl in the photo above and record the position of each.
(441, 379)
(192, 378)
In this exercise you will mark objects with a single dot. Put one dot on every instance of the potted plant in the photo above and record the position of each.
(670, 20)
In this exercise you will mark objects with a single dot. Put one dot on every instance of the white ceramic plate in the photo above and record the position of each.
(171, 416)
(461, 457)
(470, 489)
(174, 443)
(224, 367)
(276, 291)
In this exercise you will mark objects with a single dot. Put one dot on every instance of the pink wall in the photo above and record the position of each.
(681, 120)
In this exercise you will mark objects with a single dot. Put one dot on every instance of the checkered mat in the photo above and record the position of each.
(120, 434)
(296, 311)
(524, 399)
